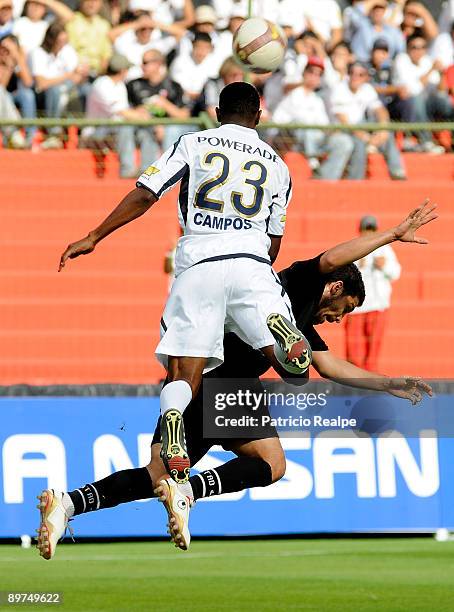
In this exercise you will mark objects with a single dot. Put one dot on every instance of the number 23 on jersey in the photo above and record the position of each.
(255, 175)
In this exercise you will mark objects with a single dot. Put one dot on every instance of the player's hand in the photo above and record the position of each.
(81, 247)
(409, 388)
(405, 231)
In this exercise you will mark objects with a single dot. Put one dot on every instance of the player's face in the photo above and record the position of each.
(334, 309)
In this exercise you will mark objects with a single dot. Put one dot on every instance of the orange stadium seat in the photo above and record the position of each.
(98, 320)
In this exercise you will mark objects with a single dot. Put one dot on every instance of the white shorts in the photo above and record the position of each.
(215, 297)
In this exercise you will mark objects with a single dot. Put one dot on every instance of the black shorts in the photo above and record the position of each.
(197, 445)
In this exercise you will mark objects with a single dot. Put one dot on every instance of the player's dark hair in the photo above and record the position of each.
(351, 279)
(239, 99)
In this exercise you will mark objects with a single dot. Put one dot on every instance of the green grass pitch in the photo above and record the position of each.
(254, 576)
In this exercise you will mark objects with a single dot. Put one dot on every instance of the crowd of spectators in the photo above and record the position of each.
(346, 63)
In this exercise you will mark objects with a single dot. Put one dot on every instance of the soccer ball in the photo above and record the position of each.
(259, 45)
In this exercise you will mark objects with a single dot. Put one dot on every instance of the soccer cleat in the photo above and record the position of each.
(173, 446)
(53, 522)
(177, 506)
(297, 351)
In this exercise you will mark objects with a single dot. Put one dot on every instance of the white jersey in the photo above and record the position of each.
(233, 195)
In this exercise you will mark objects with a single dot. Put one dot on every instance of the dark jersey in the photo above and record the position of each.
(304, 285)
(141, 92)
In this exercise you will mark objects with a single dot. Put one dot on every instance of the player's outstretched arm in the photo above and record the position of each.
(355, 249)
(342, 371)
(133, 205)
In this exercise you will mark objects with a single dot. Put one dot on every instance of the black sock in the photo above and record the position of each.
(118, 488)
(235, 475)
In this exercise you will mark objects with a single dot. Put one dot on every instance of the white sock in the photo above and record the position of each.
(176, 395)
(186, 489)
(67, 505)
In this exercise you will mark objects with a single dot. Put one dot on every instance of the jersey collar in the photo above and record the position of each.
(240, 128)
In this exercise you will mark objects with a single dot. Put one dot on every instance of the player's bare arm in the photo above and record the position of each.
(355, 249)
(133, 205)
(342, 371)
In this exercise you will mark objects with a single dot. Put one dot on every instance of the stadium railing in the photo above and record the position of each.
(280, 134)
(204, 121)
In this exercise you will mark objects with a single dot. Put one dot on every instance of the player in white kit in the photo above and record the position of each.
(233, 197)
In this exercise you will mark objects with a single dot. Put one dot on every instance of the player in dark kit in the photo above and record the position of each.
(322, 289)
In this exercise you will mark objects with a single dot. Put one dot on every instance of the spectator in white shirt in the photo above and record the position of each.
(134, 38)
(31, 28)
(365, 327)
(307, 44)
(108, 99)
(325, 19)
(205, 19)
(205, 23)
(443, 48)
(420, 75)
(336, 66)
(321, 16)
(291, 11)
(17, 79)
(355, 101)
(176, 12)
(223, 47)
(268, 9)
(193, 71)
(303, 105)
(14, 73)
(57, 72)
